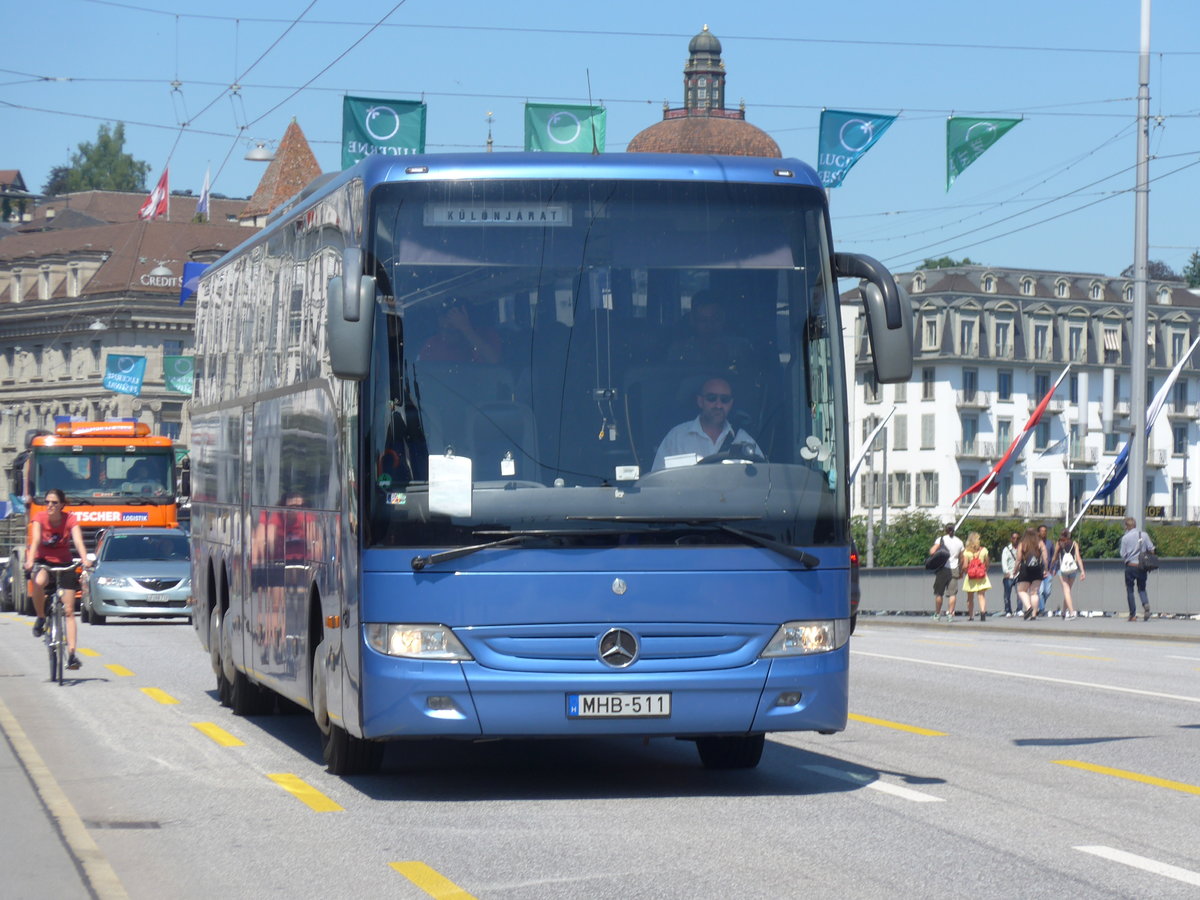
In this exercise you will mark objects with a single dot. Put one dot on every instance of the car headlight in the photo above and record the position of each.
(415, 641)
(114, 581)
(800, 638)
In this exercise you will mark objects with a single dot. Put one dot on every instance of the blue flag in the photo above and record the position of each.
(123, 373)
(191, 277)
(845, 137)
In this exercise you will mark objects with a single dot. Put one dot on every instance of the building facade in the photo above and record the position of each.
(989, 343)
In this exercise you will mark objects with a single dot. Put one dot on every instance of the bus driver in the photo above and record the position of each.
(708, 433)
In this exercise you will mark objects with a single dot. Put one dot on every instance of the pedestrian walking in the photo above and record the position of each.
(1068, 562)
(1008, 566)
(975, 572)
(1048, 580)
(1134, 542)
(946, 579)
(1030, 571)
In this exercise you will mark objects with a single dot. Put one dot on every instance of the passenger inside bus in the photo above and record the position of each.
(457, 339)
(708, 337)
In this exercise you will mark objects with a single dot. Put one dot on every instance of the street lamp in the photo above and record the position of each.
(260, 153)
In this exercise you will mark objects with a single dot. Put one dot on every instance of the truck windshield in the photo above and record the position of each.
(641, 359)
(105, 475)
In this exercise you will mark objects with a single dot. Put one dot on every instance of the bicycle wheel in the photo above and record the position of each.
(58, 641)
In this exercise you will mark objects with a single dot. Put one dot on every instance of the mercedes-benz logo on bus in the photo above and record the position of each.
(618, 648)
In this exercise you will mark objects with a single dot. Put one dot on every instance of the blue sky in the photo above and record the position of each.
(1054, 193)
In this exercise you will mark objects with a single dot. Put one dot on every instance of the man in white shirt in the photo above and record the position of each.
(708, 433)
(946, 579)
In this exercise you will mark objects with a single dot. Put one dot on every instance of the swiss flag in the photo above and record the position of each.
(157, 203)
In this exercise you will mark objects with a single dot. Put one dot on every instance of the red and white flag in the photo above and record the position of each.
(989, 481)
(158, 202)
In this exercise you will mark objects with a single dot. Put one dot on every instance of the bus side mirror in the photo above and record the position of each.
(888, 312)
(350, 319)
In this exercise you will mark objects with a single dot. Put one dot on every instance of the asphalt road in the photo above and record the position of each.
(980, 761)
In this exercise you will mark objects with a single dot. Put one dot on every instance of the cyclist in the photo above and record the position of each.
(50, 539)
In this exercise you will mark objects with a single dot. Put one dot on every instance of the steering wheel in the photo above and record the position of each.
(741, 451)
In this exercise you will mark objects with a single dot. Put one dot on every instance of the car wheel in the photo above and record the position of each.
(739, 752)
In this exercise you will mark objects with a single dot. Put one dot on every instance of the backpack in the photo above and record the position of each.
(1067, 565)
(977, 567)
(938, 558)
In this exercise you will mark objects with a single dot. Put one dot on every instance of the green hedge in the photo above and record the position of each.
(910, 534)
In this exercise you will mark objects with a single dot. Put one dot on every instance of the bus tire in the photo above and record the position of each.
(736, 752)
(345, 754)
(214, 652)
(246, 698)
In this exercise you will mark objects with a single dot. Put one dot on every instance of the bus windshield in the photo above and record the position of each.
(603, 361)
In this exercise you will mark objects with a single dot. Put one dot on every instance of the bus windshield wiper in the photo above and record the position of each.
(720, 524)
(510, 537)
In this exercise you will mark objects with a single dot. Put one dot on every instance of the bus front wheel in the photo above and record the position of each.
(343, 753)
(736, 752)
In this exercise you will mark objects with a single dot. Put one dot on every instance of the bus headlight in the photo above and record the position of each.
(415, 641)
(800, 638)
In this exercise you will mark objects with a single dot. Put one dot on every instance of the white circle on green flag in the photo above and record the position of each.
(563, 127)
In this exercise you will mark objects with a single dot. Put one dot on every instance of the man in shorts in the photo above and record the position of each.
(947, 579)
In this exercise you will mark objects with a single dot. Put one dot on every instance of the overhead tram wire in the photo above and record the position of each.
(593, 32)
(899, 258)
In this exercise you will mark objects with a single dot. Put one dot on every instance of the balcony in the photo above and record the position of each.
(1156, 459)
(975, 450)
(1079, 456)
(1182, 410)
(1056, 405)
(967, 399)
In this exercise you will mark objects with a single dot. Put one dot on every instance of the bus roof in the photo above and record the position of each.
(378, 169)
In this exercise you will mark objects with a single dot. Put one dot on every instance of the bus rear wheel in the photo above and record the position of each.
(735, 752)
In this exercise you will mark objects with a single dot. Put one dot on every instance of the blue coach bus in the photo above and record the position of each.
(433, 494)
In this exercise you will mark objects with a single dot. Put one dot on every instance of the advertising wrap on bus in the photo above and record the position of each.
(534, 445)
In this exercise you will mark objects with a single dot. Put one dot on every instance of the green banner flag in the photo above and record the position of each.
(967, 139)
(564, 129)
(390, 127)
(177, 373)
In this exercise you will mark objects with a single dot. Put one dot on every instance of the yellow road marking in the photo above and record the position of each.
(161, 696)
(218, 734)
(431, 881)
(1131, 776)
(304, 792)
(1075, 655)
(118, 670)
(86, 651)
(899, 726)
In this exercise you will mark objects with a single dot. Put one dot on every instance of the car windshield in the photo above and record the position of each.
(133, 547)
(633, 358)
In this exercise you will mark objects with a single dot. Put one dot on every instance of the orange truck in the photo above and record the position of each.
(113, 473)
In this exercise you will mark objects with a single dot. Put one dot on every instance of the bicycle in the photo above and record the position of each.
(56, 623)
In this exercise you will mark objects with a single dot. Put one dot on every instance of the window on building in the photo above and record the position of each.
(1027, 287)
(927, 489)
(44, 283)
(870, 387)
(1075, 343)
(1004, 494)
(929, 339)
(872, 489)
(1041, 341)
(1041, 385)
(970, 379)
(1073, 388)
(1129, 293)
(1111, 440)
(1178, 346)
(1003, 433)
(73, 280)
(918, 283)
(1041, 435)
(1041, 488)
(927, 383)
(1004, 384)
(1179, 438)
(989, 284)
(899, 429)
(1164, 296)
(1003, 339)
(37, 361)
(900, 391)
(966, 337)
(1097, 291)
(970, 433)
(1178, 500)
(899, 489)
(1060, 289)
(869, 424)
(96, 354)
(1076, 491)
(928, 431)
(1179, 395)
(1112, 343)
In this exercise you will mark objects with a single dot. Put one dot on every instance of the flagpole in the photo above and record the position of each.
(1112, 467)
(1135, 494)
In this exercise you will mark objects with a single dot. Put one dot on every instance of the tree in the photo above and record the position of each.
(947, 263)
(100, 166)
(1191, 272)
(1156, 270)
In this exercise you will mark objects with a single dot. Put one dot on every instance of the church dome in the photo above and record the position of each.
(705, 42)
(705, 135)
